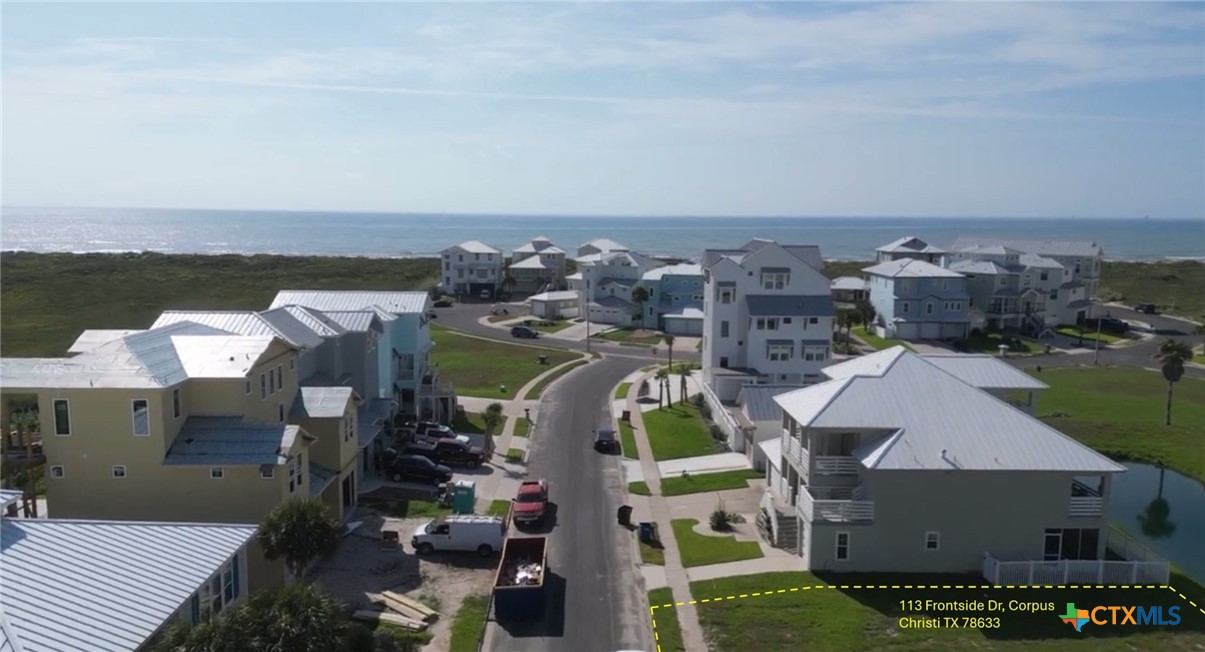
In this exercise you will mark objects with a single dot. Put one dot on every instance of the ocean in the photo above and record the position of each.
(412, 235)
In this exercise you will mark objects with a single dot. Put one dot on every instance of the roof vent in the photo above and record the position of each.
(232, 358)
(943, 453)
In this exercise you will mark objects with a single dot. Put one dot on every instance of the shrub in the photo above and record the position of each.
(698, 400)
(360, 639)
(705, 410)
(721, 520)
(717, 433)
(644, 389)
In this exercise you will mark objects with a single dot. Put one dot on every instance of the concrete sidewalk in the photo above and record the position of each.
(703, 464)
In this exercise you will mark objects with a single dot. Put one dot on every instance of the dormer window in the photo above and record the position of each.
(775, 278)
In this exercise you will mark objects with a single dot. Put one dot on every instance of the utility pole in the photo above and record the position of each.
(587, 322)
(1096, 354)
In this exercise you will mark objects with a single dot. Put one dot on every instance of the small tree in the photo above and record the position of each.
(300, 531)
(845, 321)
(492, 417)
(1173, 355)
(662, 375)
(669, 345)
(865, 313)
(640, 295)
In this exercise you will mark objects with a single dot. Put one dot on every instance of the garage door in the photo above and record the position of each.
(930, 331)
(906, 331)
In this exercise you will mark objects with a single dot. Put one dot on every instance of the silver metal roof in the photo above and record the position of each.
(911, 244)
(809, 254)
(789, 305)
(372, 416)
(848, 283)
(103, 586)
(534, 262)
(1081, 248)
(475, 247)
(773, 450)
(320, 478)
(685, 312)
(356, 321)
(979, 267)
(397, 303)
(984, 371)
(539, 245)
(910, 268)
(625, 282)
(935, 420)
(9, 496)
(757, 401)
(92, 338)
(557, 295)
(611, 302)
(230, 441)
(322, 402)
(680, 269)
(603, 244)
(315, 320)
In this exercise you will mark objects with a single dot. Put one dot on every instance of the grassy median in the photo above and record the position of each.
(701, 482)
(478, 366)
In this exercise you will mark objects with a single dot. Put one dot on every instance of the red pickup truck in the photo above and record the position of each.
(531, 504)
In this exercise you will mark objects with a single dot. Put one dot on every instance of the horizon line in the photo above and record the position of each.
(610, 215)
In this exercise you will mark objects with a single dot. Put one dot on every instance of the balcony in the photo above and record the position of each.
(1085, 502)
(837, 465)
(834, 505)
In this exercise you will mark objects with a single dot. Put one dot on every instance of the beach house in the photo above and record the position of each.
(537, 266)
(470, 268)
(917, 300)
(675, 299)
(899, 463)
(607, 281)
(767, 316)
(909, 247)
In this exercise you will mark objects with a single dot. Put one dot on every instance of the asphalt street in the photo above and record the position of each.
(595, 602)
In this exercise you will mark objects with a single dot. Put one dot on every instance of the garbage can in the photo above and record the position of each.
(627, 416)
(625, 515)
(648, 532)
(464, 496)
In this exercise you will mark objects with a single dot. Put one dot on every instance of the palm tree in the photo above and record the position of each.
(662, 376)
(508, 281)
(845, 321)
(682, 389)
(669, 345)
(640, 295)
(492, 418)
(1173, 354)
(299, 531)
(865, 313)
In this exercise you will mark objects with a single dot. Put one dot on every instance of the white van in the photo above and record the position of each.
(460, 532)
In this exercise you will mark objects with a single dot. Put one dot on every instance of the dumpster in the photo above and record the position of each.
(625, 515)
(464, 496)
(648, 532)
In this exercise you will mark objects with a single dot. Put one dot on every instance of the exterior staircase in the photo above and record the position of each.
(782, 532)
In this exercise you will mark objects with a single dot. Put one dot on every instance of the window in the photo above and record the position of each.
(271, 381)
(696, 297)
(1044, 275)
(142, 417)
(1026, 281)
(767, 323)
(119, 471)
(460, 258)
(815, 353)
(348, 431)
(247, 386)
(280, 377)
(780, 352)
(292, 476)
(62, 417)
(175, 403)
(291, 361)
(263, 386)
(932, 540)
(841, 552)
(945, 284)
(775, 280)
(217, 594)
(905, 306)
(447, 266)
(971, 302)
(723, 329)
(1077, 267)
(726, 295)
(267, 472)
(280, 412)
(56, 471)
(929, 308)
(300, 468)
(724, 362)
(1002, 281)
(216, 473)
(1054, 294)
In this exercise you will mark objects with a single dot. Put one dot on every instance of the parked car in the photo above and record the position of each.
(523, 331)
(531, 503)
(415, 467)
(442, 303)
(1107, 324)
(448, 451)
(485, 294)
(1148, 308)
(605, 440)
(483, 534)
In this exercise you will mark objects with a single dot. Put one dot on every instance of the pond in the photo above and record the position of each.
(1174, 527)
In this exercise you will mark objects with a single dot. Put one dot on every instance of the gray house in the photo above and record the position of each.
(904, 464)
(916, 300)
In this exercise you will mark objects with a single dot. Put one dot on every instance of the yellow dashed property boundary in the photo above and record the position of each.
(653, 609)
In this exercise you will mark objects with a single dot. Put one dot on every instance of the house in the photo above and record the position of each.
(760, 420)
(899, 463)
(909, 247)
(675, 299)
(537, 266)
(915, 300)
(470, 268)
(1011, 289)
(1069, 290)
(767, 316)
(608, 279)
(91, 586)
(849, 290)
(403, 354)
(561, 304)
(599, 246)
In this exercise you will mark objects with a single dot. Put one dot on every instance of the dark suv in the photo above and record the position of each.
(417, 467)
(448, 451)
(523, 331)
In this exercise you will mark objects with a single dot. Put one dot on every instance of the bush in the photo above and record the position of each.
(360, 639)
(721, 520)
(644, 389)
(717, 433)
(705, 410)
(698, 400)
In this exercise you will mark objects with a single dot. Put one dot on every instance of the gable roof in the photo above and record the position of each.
(92, 338)
(678, 269)
(979, 267)
(398, 303)
(322, 402)
(787, 305)
(848, 283)
(984, 371)
(910, 268)
(758, 401)
(474, 247)
(539, 245)
(933, 420)
(315, 320)
(534, 262)
(603, 245)
(1081, 248)
(356, 321)
(279, 323)
(809, 254)
(230, 441)
(555, 295)
(83, 586)
(911, 244)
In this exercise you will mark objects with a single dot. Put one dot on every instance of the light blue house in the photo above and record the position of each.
(675, 302)
(917, 300)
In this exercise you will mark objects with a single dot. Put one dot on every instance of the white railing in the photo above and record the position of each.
(1128, 548)
(836, 465)
(1067, 571)
(721, 416)
(835, 511)
(1086, 507)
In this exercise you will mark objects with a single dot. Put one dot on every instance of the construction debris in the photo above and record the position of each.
(400, 610)
(523, 572)
(426, 613)
(393, 619)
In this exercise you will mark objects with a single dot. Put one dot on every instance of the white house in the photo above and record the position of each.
(470, 268)
(916, 300)
(561, 304)
(909, 247)
(896, 464)
(760, 421)
(538, 266)
(607, 282)
(599, 246)
(767, 316)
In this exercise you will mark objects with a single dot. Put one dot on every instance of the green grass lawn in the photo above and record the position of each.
(877, 342)
(629, 336)
(701, 550)
(1119, 412)
(701, 482)
(669, 632)
(514, 455)
(627, 439)
(1090, 336)
(473, 423)
(539, 387)
(49, 299)
(468, 624)
(557, 326)
(1174, 286)
(677, 432)
(868, 619)
(499, 508)
(640, 488)
(477, 366)
(622, 390)
(521, 427)
(408, 508)
(652, 554)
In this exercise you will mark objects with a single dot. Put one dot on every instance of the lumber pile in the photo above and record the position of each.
(399, 610)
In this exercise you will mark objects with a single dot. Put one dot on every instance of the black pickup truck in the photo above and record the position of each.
(452, 452)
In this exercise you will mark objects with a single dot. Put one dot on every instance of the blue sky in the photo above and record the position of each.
(1020, 109)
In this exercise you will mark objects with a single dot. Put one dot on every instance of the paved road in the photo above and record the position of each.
(595, 597)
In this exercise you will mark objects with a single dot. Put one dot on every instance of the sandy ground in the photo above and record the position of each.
(363, 565)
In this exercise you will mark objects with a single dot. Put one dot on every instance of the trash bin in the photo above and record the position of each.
(464, 496)
(648, 532)
(627, 416)
(625, 515)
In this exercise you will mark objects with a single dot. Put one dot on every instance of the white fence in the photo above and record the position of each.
(1066, 571)
(722, 417)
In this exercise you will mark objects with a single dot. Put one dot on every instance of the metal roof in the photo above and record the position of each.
(685, 312)
(935, 420)
(680, 269)
(322, 402)
(540, 245)
(789, 305)
(603, 244)
(475, 247)
(397, 303)
(848, 283)
(1081, 248)
(911, 244)
(1040, 262)
(229, 441)
(984, 371)
(320, 478)
(576, 276)
(372, 415)
(625, 282)
(92, 338)
(979, 267)
(315, 320)
(278, 323)
(557, 295)
(356, 321)
(809, 254)
(1071, 285)
(9, 496)
(773, 450)
(99, 586)
(230, 356)
(757, 401)
(534, 262)
(910, 268)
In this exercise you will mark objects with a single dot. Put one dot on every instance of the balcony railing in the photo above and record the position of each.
(1085, 502)
(436, 389)
(837, 465)
(824, 508)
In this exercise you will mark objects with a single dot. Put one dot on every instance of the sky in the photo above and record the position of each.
(969, 109)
